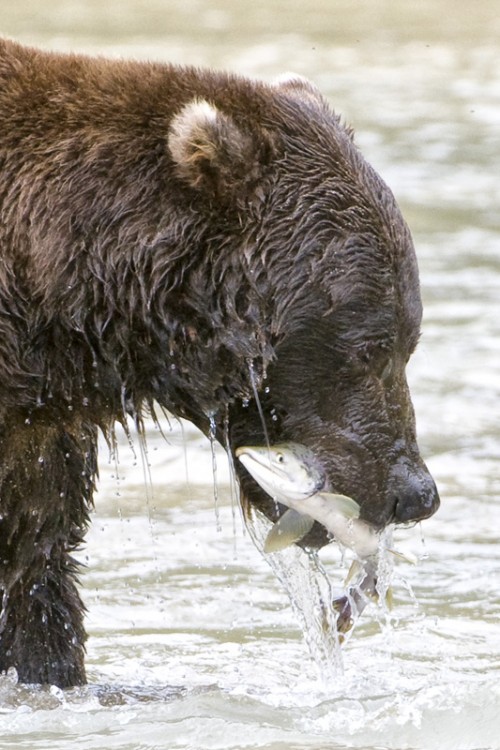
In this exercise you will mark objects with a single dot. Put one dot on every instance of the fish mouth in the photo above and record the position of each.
(259, 469)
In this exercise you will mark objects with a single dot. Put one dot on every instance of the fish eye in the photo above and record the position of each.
(280, 458)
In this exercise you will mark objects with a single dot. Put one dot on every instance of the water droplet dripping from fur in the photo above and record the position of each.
(254, 383)
(212, 437)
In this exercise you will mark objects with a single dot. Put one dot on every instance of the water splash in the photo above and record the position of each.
(309, 589)
(385, 569)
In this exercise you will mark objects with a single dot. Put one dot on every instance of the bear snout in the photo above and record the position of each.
(413, 492)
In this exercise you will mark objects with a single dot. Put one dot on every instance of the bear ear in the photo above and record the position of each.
(300, 88)
(303, 91)
(214, 154)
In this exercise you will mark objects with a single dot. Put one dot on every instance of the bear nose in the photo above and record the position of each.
(414, 493)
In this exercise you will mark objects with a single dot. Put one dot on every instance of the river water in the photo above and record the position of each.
(193, 642)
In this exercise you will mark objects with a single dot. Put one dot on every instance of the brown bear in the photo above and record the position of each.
(207, 243)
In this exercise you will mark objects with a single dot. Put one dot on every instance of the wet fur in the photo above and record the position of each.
(174, 236)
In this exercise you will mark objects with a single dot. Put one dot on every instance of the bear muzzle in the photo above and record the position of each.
(412, 492)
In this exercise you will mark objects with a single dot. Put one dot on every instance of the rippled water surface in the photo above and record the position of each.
(193, 642)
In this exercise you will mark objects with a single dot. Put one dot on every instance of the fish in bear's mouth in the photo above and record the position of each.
(291, 475)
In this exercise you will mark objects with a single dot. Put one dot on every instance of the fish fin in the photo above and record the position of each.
(389, 598)
(288, 529)
(354, 570)
(407, 557)
(343, 504)
(343, 606)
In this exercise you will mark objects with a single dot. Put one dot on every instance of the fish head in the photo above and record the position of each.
(288, 472)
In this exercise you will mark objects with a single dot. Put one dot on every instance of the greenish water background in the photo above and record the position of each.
(193, 643)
